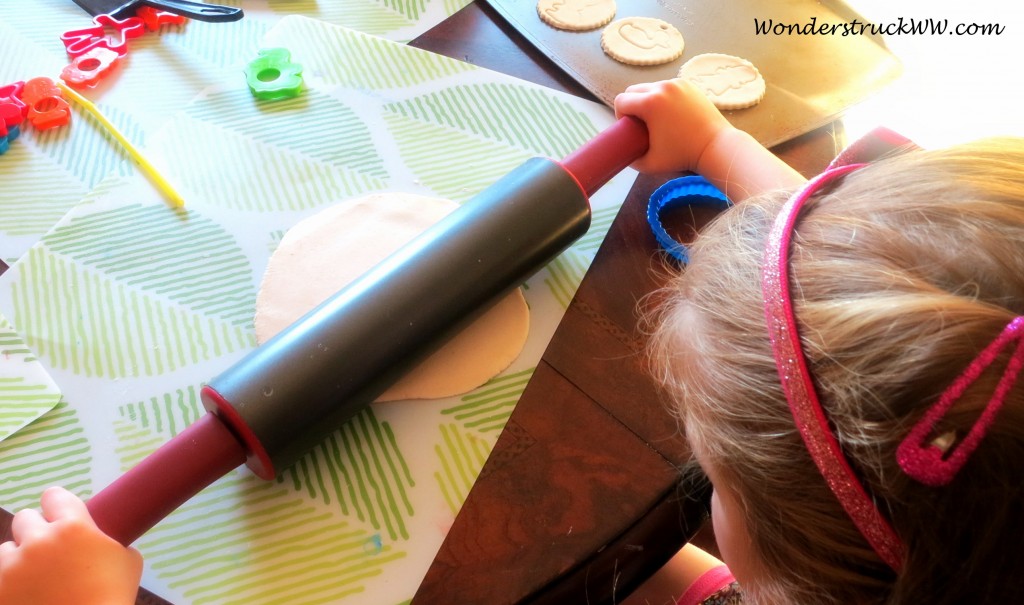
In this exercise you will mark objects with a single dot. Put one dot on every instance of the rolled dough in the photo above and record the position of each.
(325, 252)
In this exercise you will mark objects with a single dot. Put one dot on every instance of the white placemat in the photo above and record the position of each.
(44, 174)
(132, 305)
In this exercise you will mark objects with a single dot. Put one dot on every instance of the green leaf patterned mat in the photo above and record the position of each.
(44, 174)
(26, 390)
(132, 305)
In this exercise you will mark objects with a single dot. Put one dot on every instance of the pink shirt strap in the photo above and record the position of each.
(710, 582)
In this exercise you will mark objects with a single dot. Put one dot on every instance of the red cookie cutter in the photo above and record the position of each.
(10, 117)
(11, 93)
(87, 69)
(80, 41)
(12, 112)
(46, 105)
(154, 18)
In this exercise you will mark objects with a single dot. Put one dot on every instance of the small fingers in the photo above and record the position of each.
(136, 558)
(27, 524)
(644, 87)
(656, 85)
(632, 103)
(642, 99)
(58, 503)
(7, 555)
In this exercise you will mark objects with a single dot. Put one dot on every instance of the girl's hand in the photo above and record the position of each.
(61, 557)
(688, 134)
(681, 123)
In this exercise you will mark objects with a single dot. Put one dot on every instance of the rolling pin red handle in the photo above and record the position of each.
(607, 154)
(202, 453)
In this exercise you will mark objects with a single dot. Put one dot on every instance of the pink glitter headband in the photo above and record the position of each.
(796, 381)
(924, 462)
(930, 464)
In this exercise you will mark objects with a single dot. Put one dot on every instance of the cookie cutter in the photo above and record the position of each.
(272, 75)
(12, 113)
(86, 69)
(682, 191)
(46, 105)
(155, 18)
(80, 41)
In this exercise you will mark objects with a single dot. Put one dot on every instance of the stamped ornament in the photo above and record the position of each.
(730, 82)
(576, 15)
(642, 41)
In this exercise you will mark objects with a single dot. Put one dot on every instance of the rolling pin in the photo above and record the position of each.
(290, 393)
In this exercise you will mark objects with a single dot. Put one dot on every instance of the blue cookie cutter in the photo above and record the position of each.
(683, 191)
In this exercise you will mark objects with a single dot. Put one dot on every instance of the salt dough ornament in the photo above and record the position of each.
(642, 41)
(576, 15)
(730, 82)
(325, 252)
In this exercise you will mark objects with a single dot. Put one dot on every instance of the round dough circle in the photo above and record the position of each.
(325, 252)
(730, 82)
(576, 15)
(642, 41)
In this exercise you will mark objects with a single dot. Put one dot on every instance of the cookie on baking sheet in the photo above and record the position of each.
(576, 15)
(642, 41)
(730, 82)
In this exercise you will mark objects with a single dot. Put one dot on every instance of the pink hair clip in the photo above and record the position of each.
(927, 462)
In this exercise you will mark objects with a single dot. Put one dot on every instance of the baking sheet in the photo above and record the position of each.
(811, 78)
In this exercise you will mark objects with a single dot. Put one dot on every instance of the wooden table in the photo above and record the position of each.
(592, 511)
(595, 510)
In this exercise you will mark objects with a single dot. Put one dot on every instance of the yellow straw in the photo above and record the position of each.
(161, 183)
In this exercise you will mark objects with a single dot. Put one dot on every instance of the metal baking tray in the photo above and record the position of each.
(811, 78)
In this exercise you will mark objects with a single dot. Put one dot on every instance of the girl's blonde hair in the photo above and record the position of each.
(901, 274)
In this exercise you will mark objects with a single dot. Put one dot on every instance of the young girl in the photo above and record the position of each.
(843, 357)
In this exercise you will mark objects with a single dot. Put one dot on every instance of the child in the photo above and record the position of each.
(832, 484)
(61, 557)
(843, 361)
